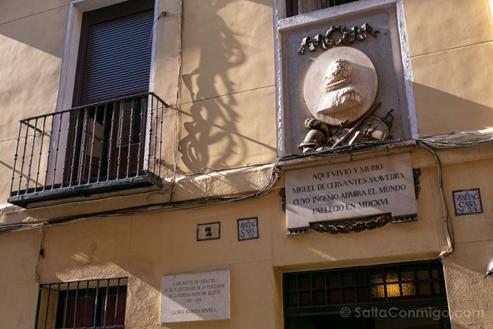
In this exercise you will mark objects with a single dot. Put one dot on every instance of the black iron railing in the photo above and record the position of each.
(94, 147)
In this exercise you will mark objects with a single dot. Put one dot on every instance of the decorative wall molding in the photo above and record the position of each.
(286, 26)
(298, 231)
(337, 36)
(359, 225)
(350, 226)
(404, 219)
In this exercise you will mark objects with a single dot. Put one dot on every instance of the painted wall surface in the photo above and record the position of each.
(146, 246)
(466, 288)
(224, 111)
(19, 254)
(228, 83)
(222, 44)
(31, 48)
(450, 57)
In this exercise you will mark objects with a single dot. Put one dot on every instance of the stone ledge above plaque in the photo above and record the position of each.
(350, 190)
(200, 296)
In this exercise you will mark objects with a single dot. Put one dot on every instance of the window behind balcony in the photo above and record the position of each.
(114, 61)
(295, 7)
(115, 52)
(112, 137)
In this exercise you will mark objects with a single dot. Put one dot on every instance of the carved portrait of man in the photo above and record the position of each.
(340, 85)
(341, 93)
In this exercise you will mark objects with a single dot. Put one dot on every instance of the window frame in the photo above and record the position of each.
(282, 23)
(54, 296)
(68, 77)
(102, 15)
(294, 6)
(298, 285)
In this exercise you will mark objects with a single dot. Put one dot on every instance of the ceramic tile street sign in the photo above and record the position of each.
(247, 228)
(467, 202)
(195, 297)
(350, 190)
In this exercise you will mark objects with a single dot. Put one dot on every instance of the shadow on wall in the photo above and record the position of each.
(146, 247)
(121, 246)
(438, 112)
(467, 292)
(441, 112)
(31, 48)
(43, 30)
(209, 112)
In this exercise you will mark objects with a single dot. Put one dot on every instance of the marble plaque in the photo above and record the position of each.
(196, 296)
(350, 190)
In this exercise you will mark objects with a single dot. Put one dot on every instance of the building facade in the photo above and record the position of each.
(246, 164)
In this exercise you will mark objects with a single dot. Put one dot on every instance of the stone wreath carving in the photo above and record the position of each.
(352, 226)
(336, 36)
(339, 90)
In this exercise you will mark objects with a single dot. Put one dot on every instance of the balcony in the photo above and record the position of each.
(97, 148)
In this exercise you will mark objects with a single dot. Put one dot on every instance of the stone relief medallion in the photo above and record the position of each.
(340, 85)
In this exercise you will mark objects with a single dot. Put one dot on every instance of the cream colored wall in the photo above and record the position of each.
(464, 270)
(228, 85)
(18, 282)
(31, 48)
(228, 79)
(223, 44)
(451, 48)
(228, 74)
(467, 291)
(227, 120)
(148, 246)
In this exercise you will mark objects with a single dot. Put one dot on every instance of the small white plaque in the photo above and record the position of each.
(195, 297)
(209, 231)
(350, 190)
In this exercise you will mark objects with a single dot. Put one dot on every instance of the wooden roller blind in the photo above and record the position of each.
(115, 52)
